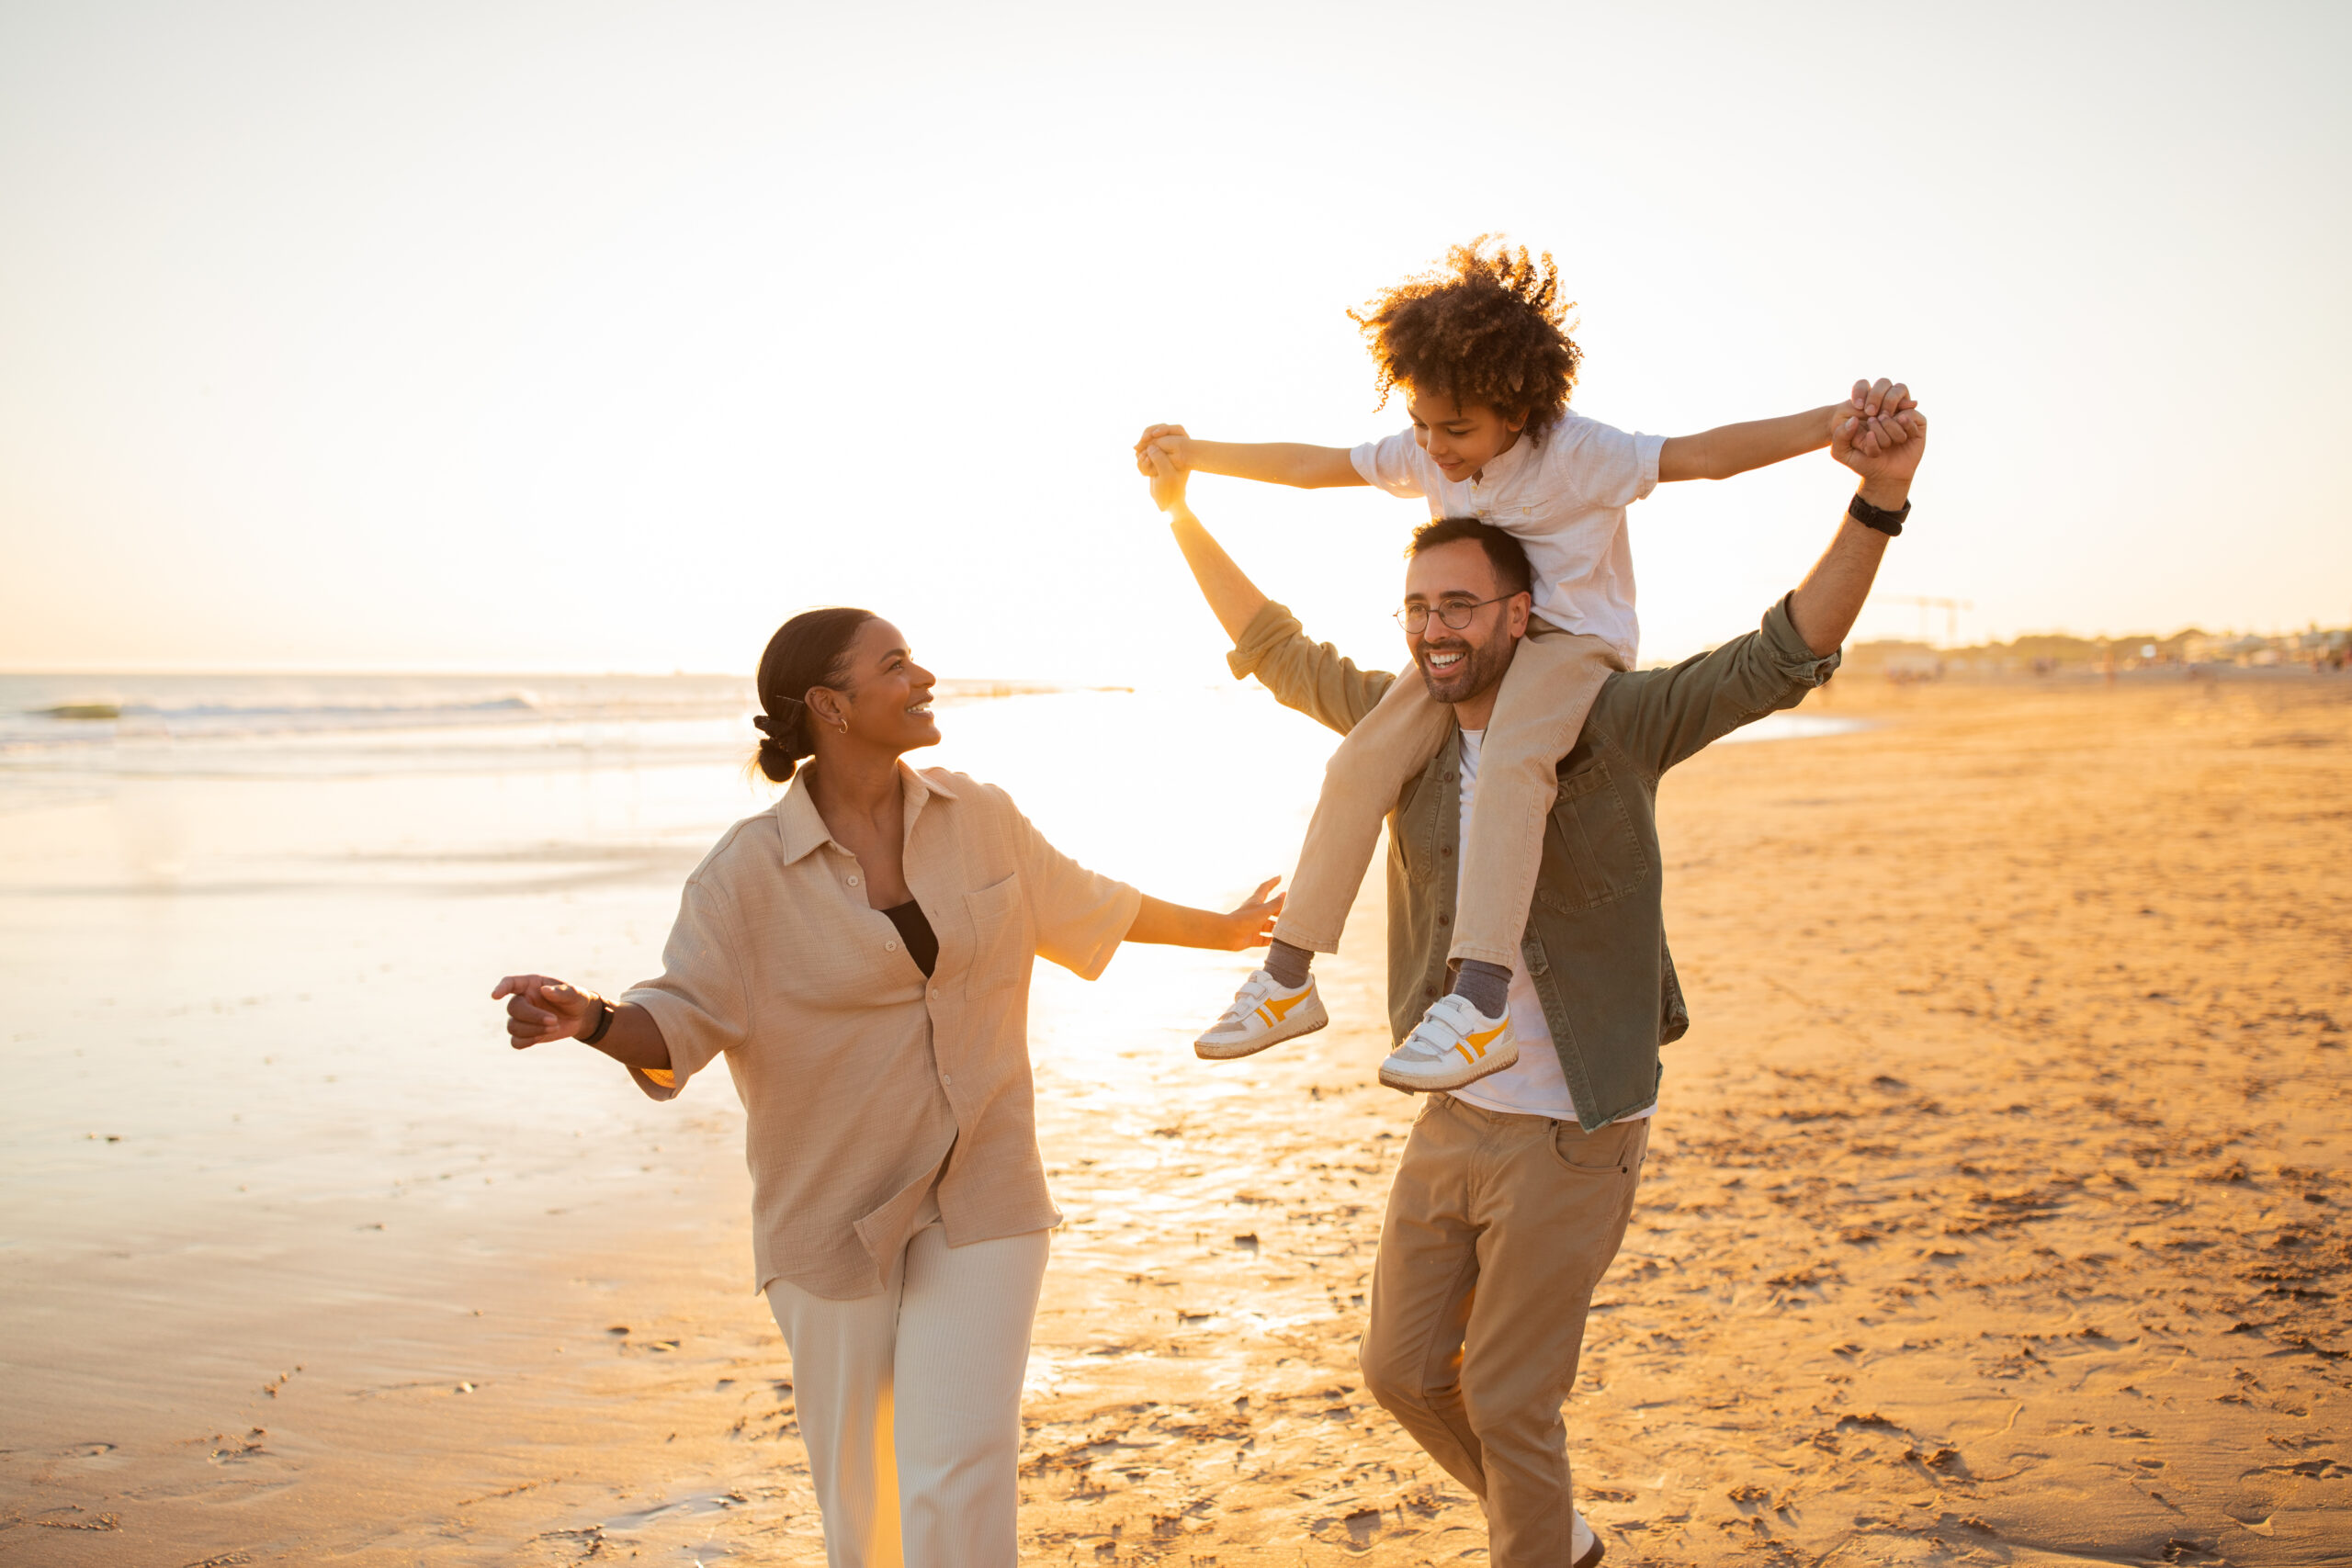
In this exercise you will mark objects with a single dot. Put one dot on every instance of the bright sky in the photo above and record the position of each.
(602, 336)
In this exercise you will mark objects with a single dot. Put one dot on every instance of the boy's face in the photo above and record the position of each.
(1460, 440)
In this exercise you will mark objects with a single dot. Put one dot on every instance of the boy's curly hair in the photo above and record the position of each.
(1485, 329)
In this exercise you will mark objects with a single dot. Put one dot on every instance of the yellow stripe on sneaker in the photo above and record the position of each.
(1480, 1042)
(1281, 1007)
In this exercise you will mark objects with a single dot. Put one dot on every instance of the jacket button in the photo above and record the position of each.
(1445, 920)
(1447, 851)
(1428, 990)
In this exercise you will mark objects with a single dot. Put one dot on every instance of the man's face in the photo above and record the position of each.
(1460, 440)
(1459, 664)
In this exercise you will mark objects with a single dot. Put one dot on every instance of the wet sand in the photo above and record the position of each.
(1996, 1212)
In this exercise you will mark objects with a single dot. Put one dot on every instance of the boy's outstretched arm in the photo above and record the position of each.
(1230, 593)
(1729, 449)
(1268, 462)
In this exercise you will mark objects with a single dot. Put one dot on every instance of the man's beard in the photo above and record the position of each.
(1480, 668)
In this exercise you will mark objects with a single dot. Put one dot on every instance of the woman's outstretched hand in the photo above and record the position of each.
(1175, 925)
(1253, 922)
(539, 1008)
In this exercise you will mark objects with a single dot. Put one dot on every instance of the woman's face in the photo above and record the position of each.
(884, 695)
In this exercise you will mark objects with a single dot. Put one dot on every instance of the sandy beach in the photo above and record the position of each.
(1995, 1210)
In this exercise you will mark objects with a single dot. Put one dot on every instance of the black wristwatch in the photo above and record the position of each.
(604, 1023)
(1878, 517)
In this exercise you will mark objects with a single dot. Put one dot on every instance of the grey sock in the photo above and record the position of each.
(1486, 985)
(1287, 964)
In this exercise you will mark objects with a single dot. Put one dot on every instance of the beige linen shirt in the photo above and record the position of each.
(860, 1076)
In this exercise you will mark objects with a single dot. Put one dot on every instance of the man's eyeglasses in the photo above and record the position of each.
(1454, 613)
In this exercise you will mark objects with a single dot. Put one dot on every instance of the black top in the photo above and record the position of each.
(914, 929)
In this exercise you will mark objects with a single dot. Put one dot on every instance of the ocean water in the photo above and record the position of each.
(67, 733)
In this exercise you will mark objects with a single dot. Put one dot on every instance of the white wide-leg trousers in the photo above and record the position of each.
(909, 1402)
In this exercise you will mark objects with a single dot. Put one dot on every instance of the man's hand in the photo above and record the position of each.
(539, 1009)
(1881, 399)
(1168, 478)
(1884, 449)
(1168, 438)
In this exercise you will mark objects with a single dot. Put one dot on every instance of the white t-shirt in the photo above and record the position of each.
(1564, 499)
(1532, 1085)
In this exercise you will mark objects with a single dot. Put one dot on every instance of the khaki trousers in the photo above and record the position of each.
(909, 1402)
(1498, 1229)
(1539, 711)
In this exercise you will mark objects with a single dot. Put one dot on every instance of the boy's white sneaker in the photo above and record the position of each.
(1454, 1044)
(1264, 1012)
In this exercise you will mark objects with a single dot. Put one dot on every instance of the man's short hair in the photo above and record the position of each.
(1504, 553)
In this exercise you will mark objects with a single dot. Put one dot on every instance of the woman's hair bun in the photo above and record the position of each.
(808, 651)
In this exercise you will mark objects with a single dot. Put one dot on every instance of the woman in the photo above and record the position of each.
(860, 953)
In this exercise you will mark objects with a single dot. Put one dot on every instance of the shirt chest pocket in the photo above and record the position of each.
(1591, 855)
(1001, 946)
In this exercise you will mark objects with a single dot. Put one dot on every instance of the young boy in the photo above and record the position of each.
(1482, 355)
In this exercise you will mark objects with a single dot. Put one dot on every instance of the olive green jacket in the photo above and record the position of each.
(1595, 945)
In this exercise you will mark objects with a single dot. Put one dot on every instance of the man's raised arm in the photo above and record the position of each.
(1230, 593)
(1268, 643)
(1885, 453)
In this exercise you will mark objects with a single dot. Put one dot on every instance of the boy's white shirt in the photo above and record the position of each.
(1564, 499)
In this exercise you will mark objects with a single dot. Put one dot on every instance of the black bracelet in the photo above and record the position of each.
(596, 1035)
(1878, 517)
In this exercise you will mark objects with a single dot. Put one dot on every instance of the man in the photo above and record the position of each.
(1514, 1193)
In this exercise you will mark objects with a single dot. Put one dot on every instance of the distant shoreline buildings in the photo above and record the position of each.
(2318, 650)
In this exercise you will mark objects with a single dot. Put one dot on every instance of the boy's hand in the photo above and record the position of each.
(1167, 478)
(1168, 438)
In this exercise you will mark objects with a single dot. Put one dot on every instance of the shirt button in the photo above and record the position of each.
(934, 993)
(853, 882)
(947, 1077)
(889, 947)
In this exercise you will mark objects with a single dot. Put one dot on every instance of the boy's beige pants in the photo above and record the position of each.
(1499, 1227)
(1539, 710)
(909, 1402)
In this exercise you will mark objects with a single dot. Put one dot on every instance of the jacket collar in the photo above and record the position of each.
(800, 830)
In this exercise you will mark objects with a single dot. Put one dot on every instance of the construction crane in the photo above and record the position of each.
(1950, 607)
